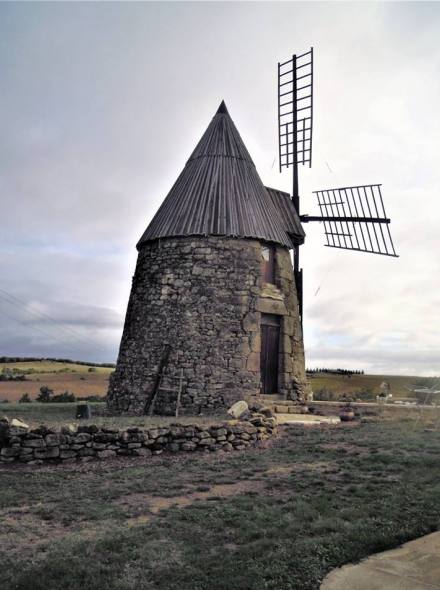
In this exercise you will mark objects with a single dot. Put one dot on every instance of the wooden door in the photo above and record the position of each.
(270, 337)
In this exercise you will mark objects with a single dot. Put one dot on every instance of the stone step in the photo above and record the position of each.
(286, 409)
(306, 419)
(277, 404)
(280, 406)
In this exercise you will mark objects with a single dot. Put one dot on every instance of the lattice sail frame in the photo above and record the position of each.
(354, 218)
(295, 110)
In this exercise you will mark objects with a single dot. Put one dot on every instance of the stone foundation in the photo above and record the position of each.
(203, 297)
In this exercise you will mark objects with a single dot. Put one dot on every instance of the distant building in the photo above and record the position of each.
(213, 309)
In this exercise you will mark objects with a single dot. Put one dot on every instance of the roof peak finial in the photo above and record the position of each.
(222, 110)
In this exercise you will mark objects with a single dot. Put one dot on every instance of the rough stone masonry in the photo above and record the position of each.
(19, 444)
(205, 298)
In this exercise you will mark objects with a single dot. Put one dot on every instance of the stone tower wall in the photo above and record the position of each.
(204, 297)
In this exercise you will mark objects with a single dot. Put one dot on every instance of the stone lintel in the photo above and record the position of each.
(272, 306)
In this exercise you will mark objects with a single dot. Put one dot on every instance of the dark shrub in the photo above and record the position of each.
(63, 398)
(45, 394)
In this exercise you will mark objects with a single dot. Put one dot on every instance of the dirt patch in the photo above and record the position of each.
(150, 505)
(154, 504)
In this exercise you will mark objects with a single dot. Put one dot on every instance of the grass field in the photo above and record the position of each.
(273, 518)
(357, 385)
(60, 377)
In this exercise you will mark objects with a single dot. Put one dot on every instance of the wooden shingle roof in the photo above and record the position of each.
(219, 192)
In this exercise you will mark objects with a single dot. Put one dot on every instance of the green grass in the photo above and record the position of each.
(304, 508)
(364, 387)
(57, 415)
(50, 414)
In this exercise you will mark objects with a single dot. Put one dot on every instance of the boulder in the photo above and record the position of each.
(16, 423)
(238, 409)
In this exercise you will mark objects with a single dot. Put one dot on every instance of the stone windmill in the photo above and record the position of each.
(213, 312)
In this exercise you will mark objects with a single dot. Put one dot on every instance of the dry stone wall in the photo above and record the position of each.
(19, 444)
(203, 297)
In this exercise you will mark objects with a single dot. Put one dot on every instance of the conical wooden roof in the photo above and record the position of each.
(219, 192)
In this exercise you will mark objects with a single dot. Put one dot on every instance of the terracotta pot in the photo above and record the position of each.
(346, 415)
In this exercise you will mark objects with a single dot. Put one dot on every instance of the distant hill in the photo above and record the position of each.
(28, 359)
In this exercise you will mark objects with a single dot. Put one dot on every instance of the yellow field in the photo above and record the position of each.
(58, 376)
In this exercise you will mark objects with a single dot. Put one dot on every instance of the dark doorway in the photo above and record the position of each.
(270, 338)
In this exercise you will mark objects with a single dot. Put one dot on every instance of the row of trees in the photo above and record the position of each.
(47, 395)
(336, 371)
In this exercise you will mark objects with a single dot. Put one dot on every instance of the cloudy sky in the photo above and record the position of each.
(101, 105)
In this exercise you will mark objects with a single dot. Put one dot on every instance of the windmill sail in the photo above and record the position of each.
(295, 110)
(354, 218)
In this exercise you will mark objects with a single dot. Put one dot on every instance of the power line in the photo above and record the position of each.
(63, 342)
(30, 309)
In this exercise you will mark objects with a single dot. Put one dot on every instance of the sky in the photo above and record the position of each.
(101, 105)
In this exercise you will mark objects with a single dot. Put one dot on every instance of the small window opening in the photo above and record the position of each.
(268, 264)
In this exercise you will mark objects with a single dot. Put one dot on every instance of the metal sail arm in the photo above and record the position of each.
(307, 218)
(295, 126)
(354, 218)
